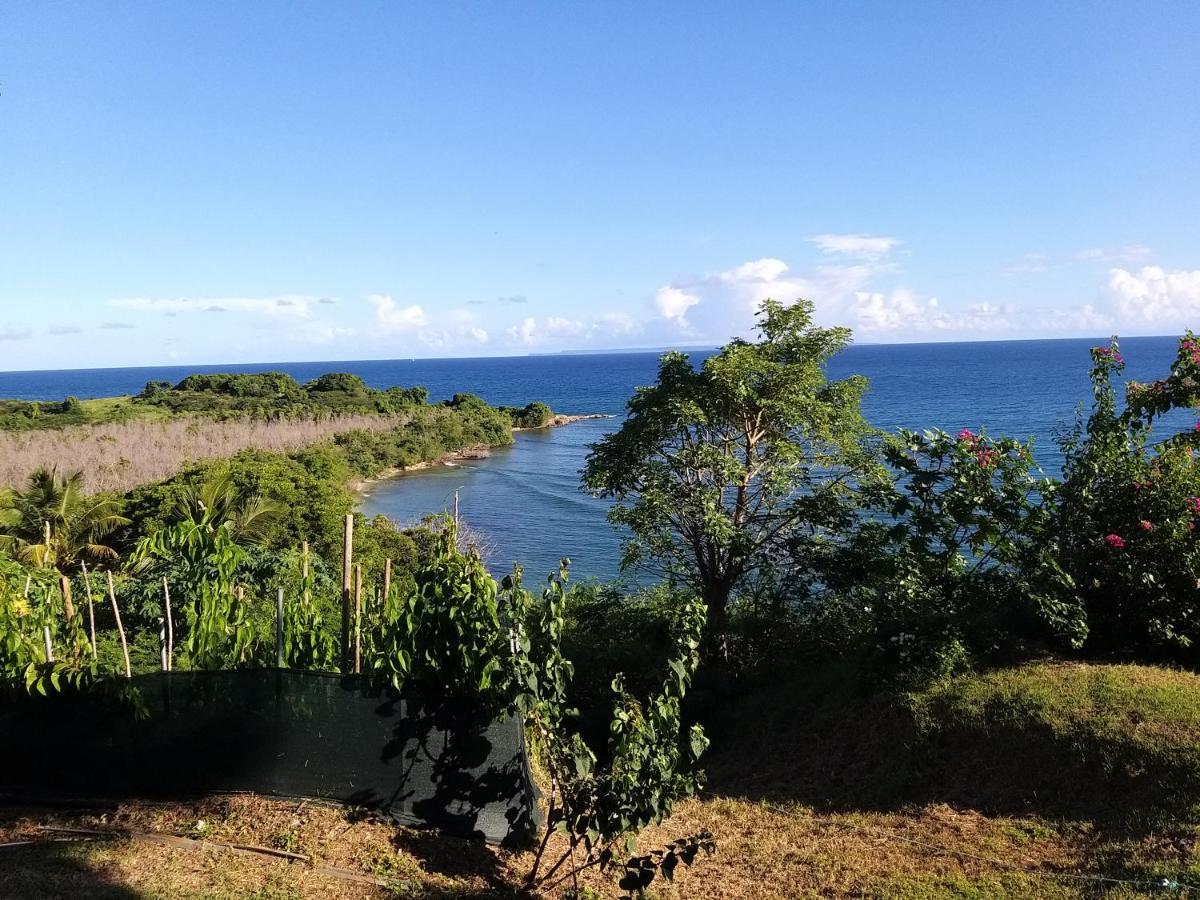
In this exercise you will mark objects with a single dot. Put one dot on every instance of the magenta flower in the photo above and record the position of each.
(965, 435)
(1194, 504)
(1145, 526)
(1115, 541)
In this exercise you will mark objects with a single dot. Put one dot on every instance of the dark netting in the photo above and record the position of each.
(281, 732)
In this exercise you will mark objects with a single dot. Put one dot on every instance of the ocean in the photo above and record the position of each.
(525, 500)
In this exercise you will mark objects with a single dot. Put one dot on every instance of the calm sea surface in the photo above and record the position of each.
(526, 499)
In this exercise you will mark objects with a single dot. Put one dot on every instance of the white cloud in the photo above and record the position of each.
(903, 311)
(15, 333)
(533, 331)
(864, 246)
(566, 333)
(294, 305)
(616, 323)
(1154, 297)
(321, 333)
(457, 328)
(673, 303)
(723, 305)
(1128, 252)
(876, 311)
(392, 318)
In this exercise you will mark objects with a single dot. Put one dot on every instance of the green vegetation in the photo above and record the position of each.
(260, 395)
(716, 467)
(895, 624)
(535, 415)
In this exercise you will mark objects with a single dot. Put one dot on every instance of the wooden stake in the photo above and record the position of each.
(64, 585)
(279, 629)
(358, 595)
(112, 596)
(456, 509)
(170, 626)
(347, 593)
(49, 648)
(87, 586)
(46, 555)
(387, 584)
(304, 561)
(162, 643)
(28, 584)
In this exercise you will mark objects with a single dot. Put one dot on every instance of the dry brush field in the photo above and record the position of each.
(121, 456)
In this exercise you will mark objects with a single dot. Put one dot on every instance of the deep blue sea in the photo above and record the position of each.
(526, 499)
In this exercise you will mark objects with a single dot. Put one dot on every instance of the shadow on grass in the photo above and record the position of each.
(57, 871)
(829, 743)
(456, 857)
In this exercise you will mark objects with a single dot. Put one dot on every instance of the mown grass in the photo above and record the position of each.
(1048, 780)
(1115, 745)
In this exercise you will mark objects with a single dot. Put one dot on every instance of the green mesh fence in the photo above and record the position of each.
(276, 732)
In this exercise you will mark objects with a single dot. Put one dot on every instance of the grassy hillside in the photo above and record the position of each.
(1116, 745)
(1049, 780)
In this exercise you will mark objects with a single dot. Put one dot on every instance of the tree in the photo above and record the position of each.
(715, 466)
(53, 523)
(213, 523)
(218, 503)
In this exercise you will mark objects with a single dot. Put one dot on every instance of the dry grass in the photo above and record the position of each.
(762, 852)
(121, 456)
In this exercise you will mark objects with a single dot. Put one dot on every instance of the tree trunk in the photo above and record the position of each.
(716, 601)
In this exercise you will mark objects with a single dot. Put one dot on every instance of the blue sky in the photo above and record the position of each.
(221, 182)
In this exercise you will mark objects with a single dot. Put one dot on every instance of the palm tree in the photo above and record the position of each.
(217, 502)
(55, 524)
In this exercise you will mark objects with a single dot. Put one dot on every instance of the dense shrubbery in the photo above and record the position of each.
(535, 415)
(915, 554)
(278, 394)
(1128, 509)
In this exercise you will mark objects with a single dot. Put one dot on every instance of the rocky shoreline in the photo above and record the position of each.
(481, 451)
(561, 419)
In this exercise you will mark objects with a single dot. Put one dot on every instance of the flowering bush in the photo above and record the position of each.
(1126, 514)
(946, 561)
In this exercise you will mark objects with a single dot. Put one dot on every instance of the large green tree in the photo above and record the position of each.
(715, 466)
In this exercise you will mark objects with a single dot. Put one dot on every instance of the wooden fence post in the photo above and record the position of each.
(112, 596)
(279, 629)
(87, 586)
(358, 596)
(387, 585)
(64, 584)
(347, 593)
(170, 626)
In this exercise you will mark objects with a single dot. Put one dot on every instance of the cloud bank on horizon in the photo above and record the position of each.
(854, 279)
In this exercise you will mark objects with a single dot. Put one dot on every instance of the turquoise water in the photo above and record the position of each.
(526, 500)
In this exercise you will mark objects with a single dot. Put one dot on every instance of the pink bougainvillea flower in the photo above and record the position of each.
(965, 435)
(1145, 526)
(1115, 541)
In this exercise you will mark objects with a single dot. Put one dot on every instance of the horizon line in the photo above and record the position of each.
(616, 351)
